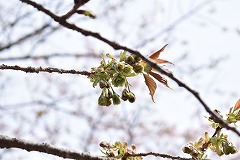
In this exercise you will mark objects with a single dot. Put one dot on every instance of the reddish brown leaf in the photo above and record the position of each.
(237, 105)
(151, 84)
(160, 78)
(160, 61)
(156, 54)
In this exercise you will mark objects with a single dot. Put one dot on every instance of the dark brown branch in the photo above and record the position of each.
(7, 142)
(137, 53)
(40, 69)
(161, 155)
(74, 9)
(20, 40)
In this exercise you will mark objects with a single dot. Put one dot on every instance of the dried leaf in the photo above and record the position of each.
(237, 105)
(151, 84)
(156, 54)
(160, 78)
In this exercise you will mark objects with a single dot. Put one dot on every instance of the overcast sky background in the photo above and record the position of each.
(203, 43)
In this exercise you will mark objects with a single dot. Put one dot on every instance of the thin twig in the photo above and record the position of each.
(41, 69)
(25, 37)
(174, 24)
(74, 9)
(7, 142)
(117, 46)
(160, 155)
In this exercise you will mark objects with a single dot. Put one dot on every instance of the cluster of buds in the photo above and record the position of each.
(221, 145)
(119, 150)
(114, 73)
(134, 62)
(108, 97)
(128, 95)
(218, 144)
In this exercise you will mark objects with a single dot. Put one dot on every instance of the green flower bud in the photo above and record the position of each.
(118, 80)
(130, 60)
(131, 97)
(125, 94)
(120, 66)
(127, 69)
(138, 68)
(137, 59)
(124, 98)
(109, 102)
(102, 100)
(116, 99)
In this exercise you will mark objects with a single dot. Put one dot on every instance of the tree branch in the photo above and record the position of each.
(117, 46)
(7, 142)
(161, 155)
(40, 69)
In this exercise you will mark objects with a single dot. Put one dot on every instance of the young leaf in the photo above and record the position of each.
(150, 84)
(156, 54)
(123, 55)
(160, 61)
(237, 105)
(160, 79)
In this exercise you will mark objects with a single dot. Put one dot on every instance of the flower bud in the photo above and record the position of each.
(137, 59)
(124, 98)
(109, 102)
(116, 99)
(125, 94)
(130, 60)
(118, 80)
(120, 66)
(131, 97)
(104, 144)
(127, 69)
(102, 100)
(138, 68)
